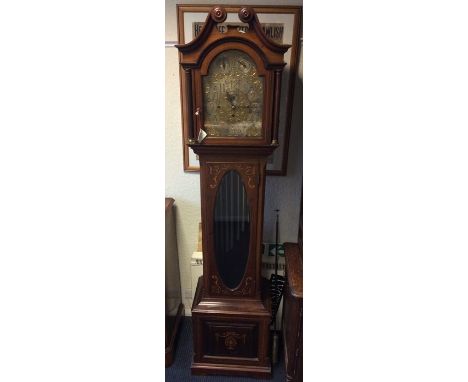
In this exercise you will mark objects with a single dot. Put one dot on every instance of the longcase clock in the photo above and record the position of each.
(232, 80)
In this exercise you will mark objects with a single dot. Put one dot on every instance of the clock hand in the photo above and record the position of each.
(230, 98)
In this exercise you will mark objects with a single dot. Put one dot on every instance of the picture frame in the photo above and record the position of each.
(283, 25)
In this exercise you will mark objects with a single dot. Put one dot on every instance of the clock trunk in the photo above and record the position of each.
(232, 310)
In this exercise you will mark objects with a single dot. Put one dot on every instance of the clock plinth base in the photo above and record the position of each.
(231, 338)
(228, 369)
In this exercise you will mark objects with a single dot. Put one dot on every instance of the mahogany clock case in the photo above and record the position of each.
(197, 56)
(291, 16)
(231, 325)
(231, 311)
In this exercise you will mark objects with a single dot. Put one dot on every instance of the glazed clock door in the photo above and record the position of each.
(233, 96)
(234, 210)
(231, 229)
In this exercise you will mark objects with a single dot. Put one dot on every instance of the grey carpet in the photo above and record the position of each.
(180, 369)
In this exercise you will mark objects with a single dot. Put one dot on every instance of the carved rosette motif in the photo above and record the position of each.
(248, 170)
(231, 339)
(246, 288)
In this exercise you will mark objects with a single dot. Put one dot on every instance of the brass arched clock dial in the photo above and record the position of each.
(233, 96)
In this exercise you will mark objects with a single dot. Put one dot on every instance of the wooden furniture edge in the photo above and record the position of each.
(170, 349)
(169, 202)
(294, 268)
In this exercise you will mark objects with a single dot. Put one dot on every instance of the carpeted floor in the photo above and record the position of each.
(180, 369)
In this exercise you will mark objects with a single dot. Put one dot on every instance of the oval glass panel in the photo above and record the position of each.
(233, 96)
(231, 229)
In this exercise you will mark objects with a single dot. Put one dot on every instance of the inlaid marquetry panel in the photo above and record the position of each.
(248, 170)
(226, 339)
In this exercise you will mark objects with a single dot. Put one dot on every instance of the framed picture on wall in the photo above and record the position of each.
(280, 23)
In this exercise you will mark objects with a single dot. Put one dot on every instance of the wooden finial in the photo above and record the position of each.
(218, 14)
(246, 14)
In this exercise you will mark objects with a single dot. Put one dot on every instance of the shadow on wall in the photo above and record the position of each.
(284, 192)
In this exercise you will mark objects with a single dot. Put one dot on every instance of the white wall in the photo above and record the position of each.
(281, 192)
